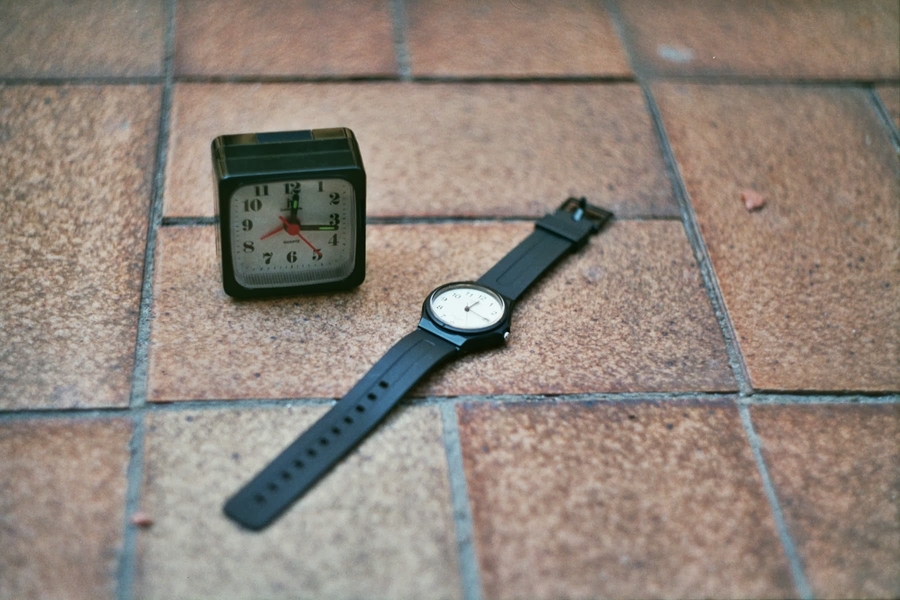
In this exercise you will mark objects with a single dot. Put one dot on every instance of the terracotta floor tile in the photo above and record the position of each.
(802, 39)
(812, 280)
(627, 500)
(278, 37)
(380, 525)
(518, 39)
(890, 97)
(627, 314)
(77, 165)
(57, 38)
(62, 496)
(836, 470)
(434, 149)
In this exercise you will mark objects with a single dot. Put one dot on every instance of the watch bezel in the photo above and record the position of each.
(504, 303)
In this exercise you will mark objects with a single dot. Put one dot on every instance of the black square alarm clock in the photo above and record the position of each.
(291, 209)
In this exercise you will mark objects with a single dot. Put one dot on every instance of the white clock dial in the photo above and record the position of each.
(293, 232)
(466, 306)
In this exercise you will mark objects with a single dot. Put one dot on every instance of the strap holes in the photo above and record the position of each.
(323, 441)
(336, 430)
(348, 420)
(311, 452)
(286, 475)
(360, 408)
(259, 499)
(298, 464)
(372, 396)
(273, 487)
(383, 384)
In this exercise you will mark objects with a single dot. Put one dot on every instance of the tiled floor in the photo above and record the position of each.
(704, 402)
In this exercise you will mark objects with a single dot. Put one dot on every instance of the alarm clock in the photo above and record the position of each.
(291, 212)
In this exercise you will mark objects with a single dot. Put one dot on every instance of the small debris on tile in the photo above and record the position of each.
(752, 200)
(141, 519)
(675, 54)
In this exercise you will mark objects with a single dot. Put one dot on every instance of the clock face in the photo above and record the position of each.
(293, 232)
(466, 306)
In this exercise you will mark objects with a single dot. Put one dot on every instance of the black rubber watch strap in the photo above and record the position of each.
(554, 236)
(525, 263)
(323, 445)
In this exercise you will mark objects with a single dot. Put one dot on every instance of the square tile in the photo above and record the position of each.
(482, 149)
(836, 471)
(811, 281)
(802, 39)
(524, 38)
(101, 38)
(284, 38)
(379, 525)
(62, 501)
(629, 313)
(77, 164)
(623, 500)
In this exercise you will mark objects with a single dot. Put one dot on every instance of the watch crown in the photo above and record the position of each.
(505, 336)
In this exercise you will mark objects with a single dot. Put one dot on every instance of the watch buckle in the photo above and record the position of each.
(580, 209)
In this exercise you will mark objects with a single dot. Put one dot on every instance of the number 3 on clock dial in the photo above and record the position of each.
(287, 232)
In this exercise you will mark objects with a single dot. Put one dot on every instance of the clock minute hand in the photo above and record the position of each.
(477, 314)
(319, 227)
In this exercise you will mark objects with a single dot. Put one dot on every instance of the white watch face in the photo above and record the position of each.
(298, 232)
(466, 306)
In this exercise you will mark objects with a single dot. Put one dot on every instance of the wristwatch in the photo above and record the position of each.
(456, 318)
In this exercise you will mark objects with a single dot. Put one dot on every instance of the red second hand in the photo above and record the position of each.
(273, 232)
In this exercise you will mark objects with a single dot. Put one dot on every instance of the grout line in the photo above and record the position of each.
(174, 406)
(765, 398)
(202, 221)
(138, 394)
(886, 120)
(188, 221)
(138, 397)
(621, 29)
(794, 562)
(522, 79)
(400, 21)
(134, 477)
(698, 245)
(470, 577)
(284, 79)
(640, 73)
(86, 80)
(649, 74)
(402, 59)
